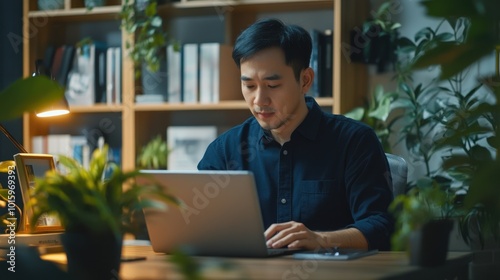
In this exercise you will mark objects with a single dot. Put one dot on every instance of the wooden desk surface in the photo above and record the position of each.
(384, 265)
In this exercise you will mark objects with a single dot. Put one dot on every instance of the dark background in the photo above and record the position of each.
(11, 69)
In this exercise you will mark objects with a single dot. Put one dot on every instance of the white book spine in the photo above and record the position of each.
(118, 75)
(190, 73)
(110, 77)
(208, 69)
(174, 75)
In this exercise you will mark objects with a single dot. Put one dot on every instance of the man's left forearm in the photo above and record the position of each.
(344, 238)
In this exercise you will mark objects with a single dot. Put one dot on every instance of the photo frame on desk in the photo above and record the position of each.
(30, 166)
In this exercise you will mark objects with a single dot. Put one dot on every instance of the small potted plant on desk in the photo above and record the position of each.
(95, 207)
(424, 222)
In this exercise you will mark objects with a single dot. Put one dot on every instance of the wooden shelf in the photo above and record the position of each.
(255, 5)
(97, 108)
(106, 12)
(222, 105)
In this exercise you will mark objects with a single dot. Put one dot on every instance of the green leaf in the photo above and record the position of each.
(28, 94)
(453, 58)
(356, 113)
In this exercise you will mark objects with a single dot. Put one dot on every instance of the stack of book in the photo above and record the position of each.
(322, 63)
(91, 72)
(203, 73)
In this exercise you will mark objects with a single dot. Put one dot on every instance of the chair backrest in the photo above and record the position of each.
(399, 173)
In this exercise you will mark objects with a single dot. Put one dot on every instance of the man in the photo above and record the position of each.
(322, 179)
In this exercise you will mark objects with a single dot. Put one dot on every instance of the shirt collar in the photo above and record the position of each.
(310, 125)
(308, 128)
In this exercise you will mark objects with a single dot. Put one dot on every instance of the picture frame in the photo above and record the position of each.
(187, 145)
(30, 166)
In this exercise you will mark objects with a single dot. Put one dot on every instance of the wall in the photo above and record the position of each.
(11, 59)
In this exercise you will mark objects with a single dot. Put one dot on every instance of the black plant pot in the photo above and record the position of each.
(92, 256)
(155, 83)
(374, 47)
(429, 245)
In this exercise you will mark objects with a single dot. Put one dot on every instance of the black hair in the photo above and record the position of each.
(294, 40)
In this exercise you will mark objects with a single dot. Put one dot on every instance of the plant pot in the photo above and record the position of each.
(429, 245)
(92, 256)
(374, 47)
(155, 83)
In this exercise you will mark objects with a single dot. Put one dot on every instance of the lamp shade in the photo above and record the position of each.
(60, 108)
(56, 109)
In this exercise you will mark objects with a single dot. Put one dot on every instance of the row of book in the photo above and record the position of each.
(75, 146)
(91, 73)
(203, 73)
(322, 63)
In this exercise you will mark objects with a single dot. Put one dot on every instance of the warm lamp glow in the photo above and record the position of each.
(52, 113)
(57, 109)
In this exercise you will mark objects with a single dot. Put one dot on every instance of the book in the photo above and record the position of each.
(322, 63)
(83, 87)
(117, 52)
(110, 76)
(56, 61)
(174, 70)
(49, 57)
(218, 68)
(187, 145)
(66, 64)
(190, 73)
(30, 239)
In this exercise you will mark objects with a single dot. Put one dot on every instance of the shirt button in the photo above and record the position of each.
(283, 201)
(285, 152)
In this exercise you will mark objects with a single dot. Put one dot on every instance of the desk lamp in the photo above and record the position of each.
(59, 108)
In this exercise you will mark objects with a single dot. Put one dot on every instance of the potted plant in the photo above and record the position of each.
(377, 38)
(141, 20)
(483, 198)
(470, 124)
(424, 222)
(375, 113)
(427, 124)
(154, 154)
(95, 207)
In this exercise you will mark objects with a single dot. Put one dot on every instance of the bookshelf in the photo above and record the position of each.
(138, 123)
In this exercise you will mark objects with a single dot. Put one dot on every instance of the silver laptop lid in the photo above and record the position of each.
(221, 214)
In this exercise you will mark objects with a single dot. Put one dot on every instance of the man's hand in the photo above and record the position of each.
(293, 235)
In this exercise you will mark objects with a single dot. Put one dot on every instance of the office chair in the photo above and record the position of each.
(399, 173)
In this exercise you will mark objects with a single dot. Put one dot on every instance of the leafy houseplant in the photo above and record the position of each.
(375, 114)
(379, 38)
(429, 122)
(141, 20)
(483, 196)
(154, 155)
(95, 207)
(423, 219)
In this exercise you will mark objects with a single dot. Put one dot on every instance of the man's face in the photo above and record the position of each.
(270, 89)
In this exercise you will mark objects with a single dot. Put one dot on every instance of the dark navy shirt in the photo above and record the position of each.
(332, 174)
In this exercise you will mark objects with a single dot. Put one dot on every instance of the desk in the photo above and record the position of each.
(384, 265)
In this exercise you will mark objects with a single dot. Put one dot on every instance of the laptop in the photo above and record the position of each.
(220, 215)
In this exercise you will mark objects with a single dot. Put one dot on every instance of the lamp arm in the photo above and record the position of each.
(12, 139)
